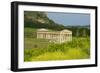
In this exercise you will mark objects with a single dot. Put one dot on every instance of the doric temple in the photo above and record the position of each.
(54, 36)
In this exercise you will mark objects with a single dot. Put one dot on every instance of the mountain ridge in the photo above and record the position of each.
(40, 20)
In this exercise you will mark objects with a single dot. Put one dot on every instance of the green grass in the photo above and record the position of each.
(31, 43)
(29, 33)
(30, 40)
(79, 48)
(59, 55)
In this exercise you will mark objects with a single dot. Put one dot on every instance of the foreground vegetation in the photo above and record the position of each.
(78, 48)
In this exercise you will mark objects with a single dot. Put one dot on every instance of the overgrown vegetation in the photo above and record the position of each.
(79, 48)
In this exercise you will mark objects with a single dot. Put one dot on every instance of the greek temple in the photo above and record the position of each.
(54, 36)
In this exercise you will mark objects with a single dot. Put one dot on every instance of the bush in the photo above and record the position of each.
(78, 48)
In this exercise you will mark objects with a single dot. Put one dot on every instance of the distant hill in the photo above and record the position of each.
(79, 30)
(78, 26)
(40, 20)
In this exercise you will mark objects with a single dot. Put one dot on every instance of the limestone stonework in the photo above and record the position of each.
(55, 36)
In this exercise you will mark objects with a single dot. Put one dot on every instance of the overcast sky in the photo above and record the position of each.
(70, 18)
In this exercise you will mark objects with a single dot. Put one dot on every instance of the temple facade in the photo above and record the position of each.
(54, 36)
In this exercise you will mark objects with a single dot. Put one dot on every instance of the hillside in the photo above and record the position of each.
(40, 20)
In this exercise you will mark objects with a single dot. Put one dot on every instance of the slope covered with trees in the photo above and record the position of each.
(40, 20)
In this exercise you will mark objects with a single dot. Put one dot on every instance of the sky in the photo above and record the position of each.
(70, 18)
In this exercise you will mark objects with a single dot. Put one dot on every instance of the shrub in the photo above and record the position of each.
(78, 48)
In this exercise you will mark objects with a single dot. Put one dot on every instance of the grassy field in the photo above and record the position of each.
(42, 50)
